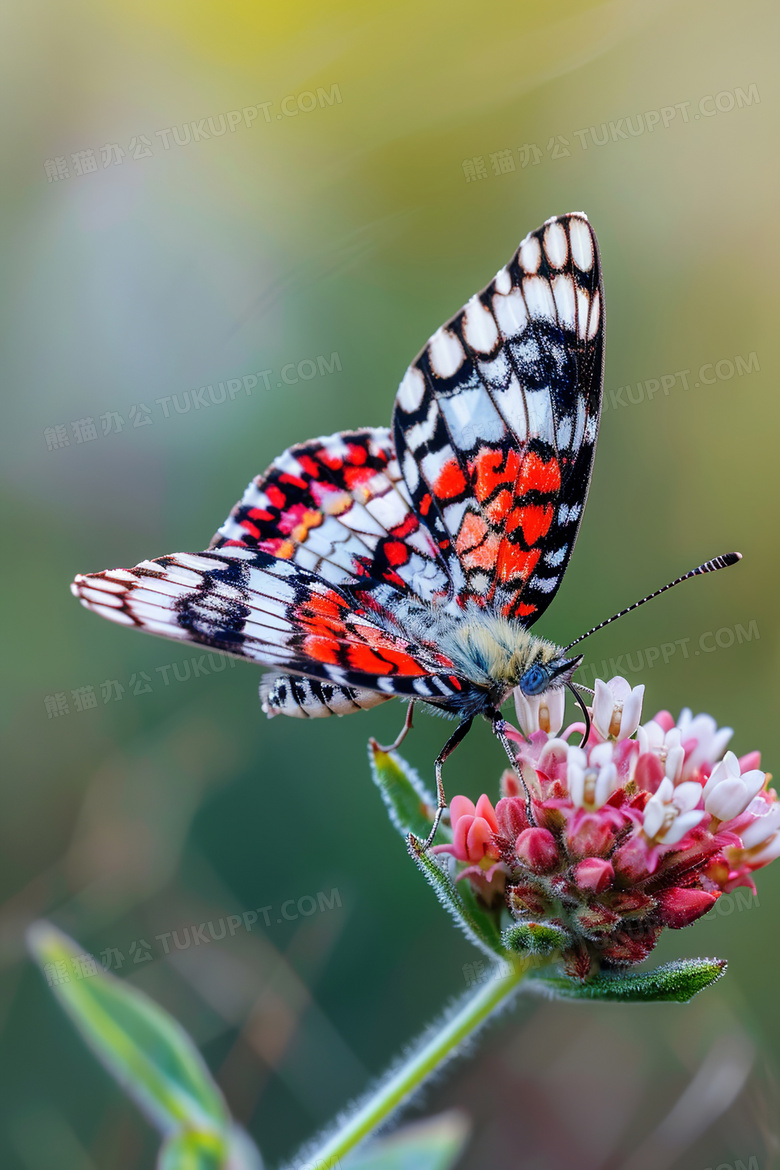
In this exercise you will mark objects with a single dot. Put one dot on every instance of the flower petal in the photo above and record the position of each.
(682, 825)
(461, 806)
(485, 809)
(632, 712)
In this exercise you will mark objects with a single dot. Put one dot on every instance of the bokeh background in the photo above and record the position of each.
(392, 158)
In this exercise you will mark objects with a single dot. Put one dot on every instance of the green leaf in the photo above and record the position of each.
(435, 1144)
(535, 938)
(410, 805)
(192, 1150)
(476, 924)
(675, 982)
(147, 1051)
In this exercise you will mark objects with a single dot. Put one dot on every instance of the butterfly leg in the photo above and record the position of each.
(499, 725)
(407, 727)
(441, 800)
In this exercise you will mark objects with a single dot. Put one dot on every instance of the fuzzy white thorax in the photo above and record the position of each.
(489, 650)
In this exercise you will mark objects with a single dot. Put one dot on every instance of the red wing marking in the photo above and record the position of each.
(451, 482)
(536, 475)
(534, 520)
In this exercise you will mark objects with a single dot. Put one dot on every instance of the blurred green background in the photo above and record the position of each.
(404, 153)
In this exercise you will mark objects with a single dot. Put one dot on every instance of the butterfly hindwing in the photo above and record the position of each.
(339, 506)
(256, 606)
(496, 421)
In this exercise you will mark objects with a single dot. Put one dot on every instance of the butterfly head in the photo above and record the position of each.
(540, 676)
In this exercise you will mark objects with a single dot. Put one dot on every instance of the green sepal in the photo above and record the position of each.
(434, 1144)
(477, 924)
(408, 802)
(486, 921)
(535, 938)
(144, 1048)
(675, 982)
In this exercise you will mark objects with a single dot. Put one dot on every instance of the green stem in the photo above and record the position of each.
(503, 981)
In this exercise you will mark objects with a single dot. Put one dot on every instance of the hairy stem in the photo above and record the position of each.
(436, 1047)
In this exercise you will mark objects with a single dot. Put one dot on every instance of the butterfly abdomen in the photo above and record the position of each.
(306, 698)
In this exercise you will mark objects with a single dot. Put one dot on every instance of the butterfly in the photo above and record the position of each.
(412, 562)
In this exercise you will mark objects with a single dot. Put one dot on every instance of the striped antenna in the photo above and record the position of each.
(708, 567)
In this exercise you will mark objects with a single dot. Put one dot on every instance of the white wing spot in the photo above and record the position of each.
(555, 244)
(583, 311)
(99, 596)
(411, 390)
(124, 575)
(411, 471)
(564, 432)
(480, 582)
(545, 584)
(421, 432)
(502, 282)
(511, 313)
(530, 254)
(479, 328)
(555, 558)
(539, 298)
(569, 512)
(581, 244)
(446, 353)
(595, 314)
(173, 573)
(563, 291)
(199, 564)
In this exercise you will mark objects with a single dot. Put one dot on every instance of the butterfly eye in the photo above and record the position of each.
(534, 681)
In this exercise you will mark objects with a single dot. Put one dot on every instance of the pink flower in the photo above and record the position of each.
(617, 708)
(473, 829)
(610, 843)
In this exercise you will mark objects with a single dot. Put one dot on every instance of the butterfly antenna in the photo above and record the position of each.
(712, 566)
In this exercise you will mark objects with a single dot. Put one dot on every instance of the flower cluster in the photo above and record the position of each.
(642, 827)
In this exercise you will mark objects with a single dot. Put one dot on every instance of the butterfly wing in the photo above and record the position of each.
(251, 604)
(495, 423)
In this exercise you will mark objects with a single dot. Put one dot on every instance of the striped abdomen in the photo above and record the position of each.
(307, 698)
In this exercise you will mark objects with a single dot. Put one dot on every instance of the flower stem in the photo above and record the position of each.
(502, 983)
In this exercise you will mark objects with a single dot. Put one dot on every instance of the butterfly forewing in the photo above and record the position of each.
(495, 423)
